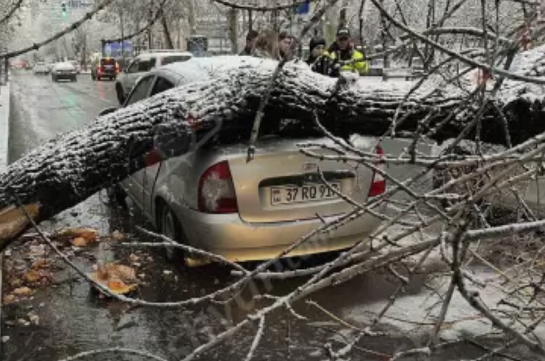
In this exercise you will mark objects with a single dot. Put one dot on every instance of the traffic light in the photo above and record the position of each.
(63, 10)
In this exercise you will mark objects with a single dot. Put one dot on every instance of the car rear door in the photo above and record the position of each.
(133, 184)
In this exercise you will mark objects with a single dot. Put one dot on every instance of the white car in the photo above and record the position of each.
(65, 70)
(142, 64)
(41, 68)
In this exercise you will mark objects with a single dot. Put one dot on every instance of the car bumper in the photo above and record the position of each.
(65, 76)
(228, 236)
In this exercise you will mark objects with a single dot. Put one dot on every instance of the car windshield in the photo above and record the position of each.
(175, 58)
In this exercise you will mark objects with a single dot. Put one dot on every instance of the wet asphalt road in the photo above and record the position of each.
(72, 320)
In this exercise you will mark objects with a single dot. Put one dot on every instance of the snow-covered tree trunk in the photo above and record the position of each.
(68, 169)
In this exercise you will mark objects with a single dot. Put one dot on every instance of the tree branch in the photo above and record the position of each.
(11, 11)
(60, 34)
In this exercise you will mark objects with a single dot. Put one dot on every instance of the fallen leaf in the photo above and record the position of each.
(16, 282)
(118, 278)
(80, 242)
(88, 234)
(39, 264)
(9, 299)
(22, 291)
(32, 276)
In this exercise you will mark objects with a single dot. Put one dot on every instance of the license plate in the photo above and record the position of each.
(307, 193)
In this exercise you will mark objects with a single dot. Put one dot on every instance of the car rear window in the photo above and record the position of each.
(107, 62)
(174, 59)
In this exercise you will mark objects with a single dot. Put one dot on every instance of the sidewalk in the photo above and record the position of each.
(4, 136)
(4, 124)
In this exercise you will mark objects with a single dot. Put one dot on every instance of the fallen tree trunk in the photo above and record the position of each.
(70, 168)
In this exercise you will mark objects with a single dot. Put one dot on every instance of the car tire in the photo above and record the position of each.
(169, 226)
(120, 94)
(75, 79)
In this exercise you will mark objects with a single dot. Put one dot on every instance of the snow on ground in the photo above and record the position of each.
(416, 314)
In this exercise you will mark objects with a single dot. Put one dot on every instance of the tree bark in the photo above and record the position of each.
(68, 169)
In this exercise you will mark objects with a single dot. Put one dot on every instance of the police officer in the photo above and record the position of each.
(345, 56)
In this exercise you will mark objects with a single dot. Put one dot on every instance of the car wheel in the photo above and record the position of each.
(120, 94)
(170, 227)
(75, 79)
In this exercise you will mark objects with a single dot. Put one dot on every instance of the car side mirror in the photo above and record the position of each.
(107, 111)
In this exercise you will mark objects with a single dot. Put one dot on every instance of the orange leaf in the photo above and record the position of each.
(79, 242)
(9, 299)
(89, 234)
(32, 276)
(22, 291)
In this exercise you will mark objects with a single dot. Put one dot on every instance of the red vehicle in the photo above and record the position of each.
(105, 68)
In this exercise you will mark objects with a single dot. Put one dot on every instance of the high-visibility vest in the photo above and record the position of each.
(357, 65)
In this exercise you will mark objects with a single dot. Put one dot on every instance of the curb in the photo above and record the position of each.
(4, 137)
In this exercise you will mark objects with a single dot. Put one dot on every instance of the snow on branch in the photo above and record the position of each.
(150, 23)
(11, 11)
(235, 5)
(60, 34)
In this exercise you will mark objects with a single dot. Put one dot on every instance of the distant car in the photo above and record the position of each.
(65, 71)
(105, 68)
(213, 199)
(40, 69)
(142, 64)
(76, 65)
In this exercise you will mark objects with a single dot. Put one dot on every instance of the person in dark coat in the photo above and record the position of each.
(251, 39)
(318, 59)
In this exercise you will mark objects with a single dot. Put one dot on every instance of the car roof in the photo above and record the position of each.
(204, 68)
(163, 54)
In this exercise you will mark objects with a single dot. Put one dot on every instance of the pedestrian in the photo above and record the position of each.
(266, 45)
(285, 45)
(319, 60)
(251, 39)
(345, 56)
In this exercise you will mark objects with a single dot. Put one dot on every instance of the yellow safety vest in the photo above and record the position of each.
(358, 64)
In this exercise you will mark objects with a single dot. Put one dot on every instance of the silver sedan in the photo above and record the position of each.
(212, 199)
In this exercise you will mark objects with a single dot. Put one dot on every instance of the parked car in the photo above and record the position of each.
(213, 199)
(65, 71)
(143, 63)
(41, 68)
(105, 68)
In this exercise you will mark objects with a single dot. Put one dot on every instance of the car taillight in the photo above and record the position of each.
(217, 191)
(100, 69)
(378, 186)
(117, 67)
